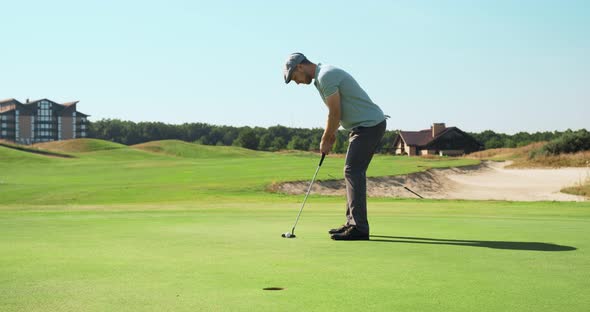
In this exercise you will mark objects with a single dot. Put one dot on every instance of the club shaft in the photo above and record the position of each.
(413, 192)
(305, 199)
(407, 189)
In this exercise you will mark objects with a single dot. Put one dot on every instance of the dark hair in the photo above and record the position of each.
(305, 61)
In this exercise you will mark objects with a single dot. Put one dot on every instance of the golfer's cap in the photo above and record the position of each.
(291, 63)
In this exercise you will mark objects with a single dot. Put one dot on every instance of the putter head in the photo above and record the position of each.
(288, 235)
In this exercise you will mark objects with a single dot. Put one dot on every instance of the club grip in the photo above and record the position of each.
(322, 160)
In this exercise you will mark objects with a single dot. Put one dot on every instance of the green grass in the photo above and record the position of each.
(80, 145)
(130, 230)
(34, 150)
(190, 150)
(219, 257)
(132, 175)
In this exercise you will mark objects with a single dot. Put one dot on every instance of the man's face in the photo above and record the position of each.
(300, 76)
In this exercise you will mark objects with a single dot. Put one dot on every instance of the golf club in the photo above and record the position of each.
(407, 189)
(292, 233)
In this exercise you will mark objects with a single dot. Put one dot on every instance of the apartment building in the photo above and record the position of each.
(40, 121)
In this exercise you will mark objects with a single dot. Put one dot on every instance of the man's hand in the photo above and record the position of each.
(326, 144)
(329, 137)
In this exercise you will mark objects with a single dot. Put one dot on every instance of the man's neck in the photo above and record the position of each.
(312, 69)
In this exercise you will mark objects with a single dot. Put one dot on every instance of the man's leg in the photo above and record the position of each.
(362, 145)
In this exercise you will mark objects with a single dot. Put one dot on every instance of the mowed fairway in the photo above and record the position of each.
(122, 229)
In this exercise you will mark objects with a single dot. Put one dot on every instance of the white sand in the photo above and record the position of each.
(489, 181)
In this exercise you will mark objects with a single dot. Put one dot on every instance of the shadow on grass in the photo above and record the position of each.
(473, 243)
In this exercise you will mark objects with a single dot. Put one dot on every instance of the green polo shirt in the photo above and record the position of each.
(356, 108)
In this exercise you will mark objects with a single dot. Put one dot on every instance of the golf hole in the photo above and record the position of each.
(273, 288)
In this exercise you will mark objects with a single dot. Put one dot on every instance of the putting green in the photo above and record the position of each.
(424, 256)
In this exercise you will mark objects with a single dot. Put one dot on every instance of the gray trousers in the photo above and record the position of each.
(362, 144)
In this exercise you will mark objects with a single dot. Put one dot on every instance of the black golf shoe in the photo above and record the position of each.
(339, 230)
(351, 233)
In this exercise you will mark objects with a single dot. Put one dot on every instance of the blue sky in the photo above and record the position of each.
(507, 66)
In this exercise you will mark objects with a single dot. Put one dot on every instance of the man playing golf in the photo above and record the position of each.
(350, 107)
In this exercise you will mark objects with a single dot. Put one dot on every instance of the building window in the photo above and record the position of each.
(74, 125)
(17, 131)
(59, 128)
(44, 104)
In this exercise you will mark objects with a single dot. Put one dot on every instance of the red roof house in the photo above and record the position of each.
(438, 140)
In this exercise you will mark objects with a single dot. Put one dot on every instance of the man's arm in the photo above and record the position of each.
(333, 123)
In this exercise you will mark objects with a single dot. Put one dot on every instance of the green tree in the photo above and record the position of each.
(247, 139)
(277, 144)
(298, 143)
(494, 143)
(341, 143)
(265, 142)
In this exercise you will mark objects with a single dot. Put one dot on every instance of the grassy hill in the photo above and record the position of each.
(14, 157)
(192, 150)
(107, 173)
(502, 154)
(520, 157)
(79, 145)
(33, 150)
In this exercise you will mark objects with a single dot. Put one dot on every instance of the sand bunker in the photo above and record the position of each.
(488, 181)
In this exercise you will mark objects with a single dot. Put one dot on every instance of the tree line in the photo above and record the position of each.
(271, 139)
(491, 139)
(274, 138)
(569, 142)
